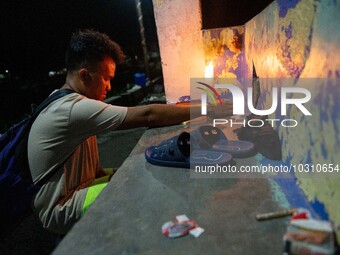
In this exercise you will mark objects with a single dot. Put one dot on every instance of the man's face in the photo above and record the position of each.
(98, 83)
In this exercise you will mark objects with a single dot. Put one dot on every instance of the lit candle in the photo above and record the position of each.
(209, 70)
(208, 75)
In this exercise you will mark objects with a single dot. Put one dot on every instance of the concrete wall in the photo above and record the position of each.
(296, 41)
(180, 40)
(301, 40)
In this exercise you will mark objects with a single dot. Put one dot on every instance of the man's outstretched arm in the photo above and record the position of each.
(158, 115)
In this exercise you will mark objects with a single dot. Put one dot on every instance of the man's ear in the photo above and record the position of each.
(84, 75)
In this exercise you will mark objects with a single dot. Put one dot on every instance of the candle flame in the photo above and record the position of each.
(209, 70)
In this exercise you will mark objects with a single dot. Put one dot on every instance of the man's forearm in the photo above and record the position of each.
(157, 115)
(170, 114)
(176, 113)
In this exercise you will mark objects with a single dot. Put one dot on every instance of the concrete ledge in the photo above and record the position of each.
(128, 215)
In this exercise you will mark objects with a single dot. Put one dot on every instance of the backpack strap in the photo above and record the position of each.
(56, 95)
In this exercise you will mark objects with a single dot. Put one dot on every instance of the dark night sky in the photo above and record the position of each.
(34, 34)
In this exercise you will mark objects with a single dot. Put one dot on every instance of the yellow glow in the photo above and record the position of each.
(209, 70)
(273, 62)
(275, 68)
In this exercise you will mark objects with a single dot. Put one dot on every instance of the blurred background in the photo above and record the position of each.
(34, 36)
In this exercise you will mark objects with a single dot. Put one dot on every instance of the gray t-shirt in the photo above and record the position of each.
(64, 136)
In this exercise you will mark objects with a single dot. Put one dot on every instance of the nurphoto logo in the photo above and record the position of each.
(239, 99)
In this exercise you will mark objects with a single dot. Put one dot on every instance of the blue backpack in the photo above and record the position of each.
(16, 185)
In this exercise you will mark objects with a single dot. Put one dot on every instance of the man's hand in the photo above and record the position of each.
(220, 110)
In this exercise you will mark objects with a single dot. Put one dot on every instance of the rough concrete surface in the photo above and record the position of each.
(128, 215)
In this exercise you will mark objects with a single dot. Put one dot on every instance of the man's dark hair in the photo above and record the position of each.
(88, 47)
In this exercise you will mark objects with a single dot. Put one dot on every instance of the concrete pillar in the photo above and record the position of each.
(179, 25)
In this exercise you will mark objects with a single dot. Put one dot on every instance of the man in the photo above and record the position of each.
(64, 134)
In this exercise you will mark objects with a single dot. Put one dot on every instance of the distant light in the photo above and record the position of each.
(6, 71)
(52, 73)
